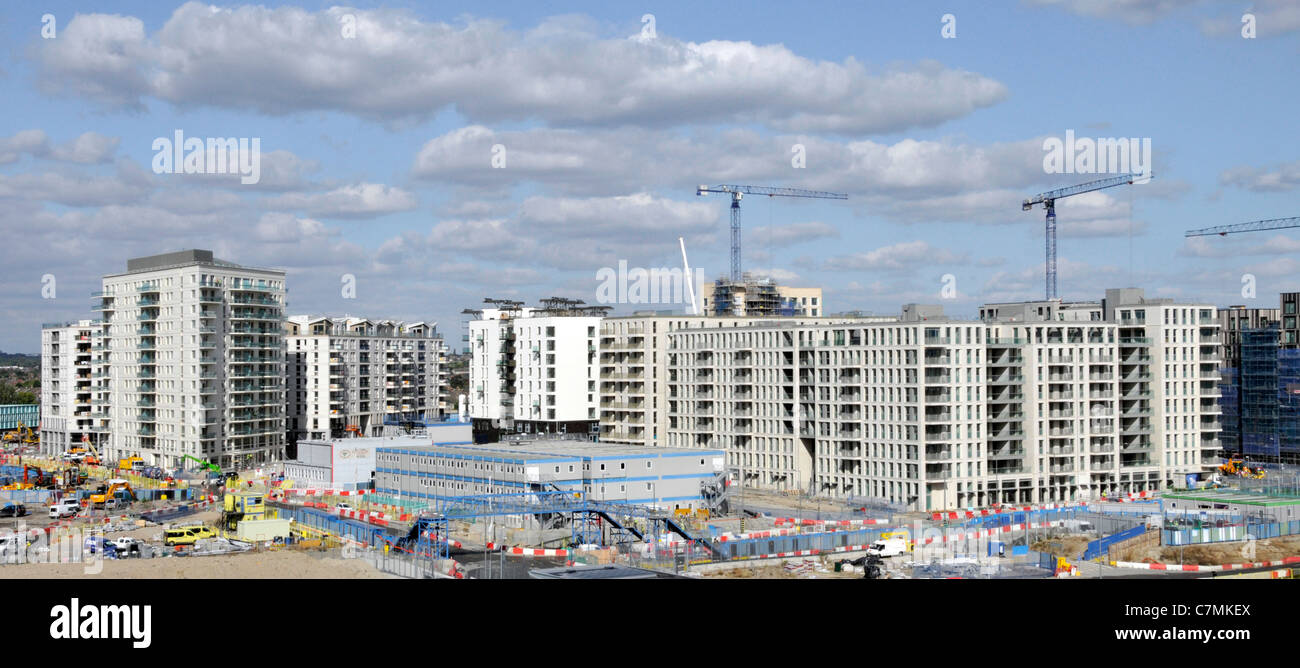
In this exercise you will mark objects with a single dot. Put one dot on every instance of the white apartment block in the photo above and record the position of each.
(1037, 402)
(533, 373)
(356, 375)
(74, 386)
(195, 360)
(634, 369)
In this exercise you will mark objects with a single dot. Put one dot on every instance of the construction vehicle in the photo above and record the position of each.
(109, 492)
(22, 435)
(73, 478)
(354, 429)
(132, 463)
(203, 464)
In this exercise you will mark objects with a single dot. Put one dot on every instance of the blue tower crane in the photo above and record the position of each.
(1048, 200)
(737, 192)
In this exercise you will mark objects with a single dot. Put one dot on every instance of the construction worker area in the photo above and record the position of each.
(79, 510)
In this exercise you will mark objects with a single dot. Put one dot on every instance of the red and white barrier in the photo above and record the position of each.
(972, 514)
(328, 492)
(528, 551)
(988, 533)
(1187, 568)
(780, 521)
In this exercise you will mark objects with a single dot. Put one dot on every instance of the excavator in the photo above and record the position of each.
(1238, 467)
(353, 429)
(100, 498)
(41, 481)
(22, 435)
(203, 464)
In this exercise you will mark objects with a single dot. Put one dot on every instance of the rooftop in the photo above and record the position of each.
(184, 258)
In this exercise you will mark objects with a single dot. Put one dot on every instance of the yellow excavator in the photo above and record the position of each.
(23, 435)
(1238, 467)
(100, 498)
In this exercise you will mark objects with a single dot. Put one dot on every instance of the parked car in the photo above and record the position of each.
(186, 535)
(127, 546)
(343, 506)
(99, 544)
(13, 510)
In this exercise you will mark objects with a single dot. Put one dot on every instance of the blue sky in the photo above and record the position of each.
(376, 150)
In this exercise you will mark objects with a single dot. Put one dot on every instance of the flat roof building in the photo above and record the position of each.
(665, 478)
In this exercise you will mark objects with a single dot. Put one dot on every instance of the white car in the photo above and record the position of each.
(343, 506)
(124, 544)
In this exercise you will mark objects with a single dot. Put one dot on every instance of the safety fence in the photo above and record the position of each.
(1250, 531)
(360, 532)
(1096, 547)
(31, 496)
(781, 545)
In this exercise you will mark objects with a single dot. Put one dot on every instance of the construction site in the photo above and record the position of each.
(60, 517)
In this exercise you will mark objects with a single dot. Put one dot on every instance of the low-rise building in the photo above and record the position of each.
(666, 478)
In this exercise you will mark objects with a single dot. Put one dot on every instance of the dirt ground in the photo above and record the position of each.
(265, 565)
(1071, 547)
(1222, 553)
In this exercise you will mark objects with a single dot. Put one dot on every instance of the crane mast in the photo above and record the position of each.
(1048, 200)
(738, 192)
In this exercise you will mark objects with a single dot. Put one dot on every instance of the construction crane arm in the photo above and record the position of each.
(1082, 188)
(772, 192)
(1257, 226)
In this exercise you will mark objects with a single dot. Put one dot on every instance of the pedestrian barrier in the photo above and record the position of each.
(1188, 568)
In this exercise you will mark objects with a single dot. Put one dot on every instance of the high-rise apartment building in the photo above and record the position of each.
(1036, 402)
(356, 375)
(633, 370)
(1234, 320)
(194, 354)
(74, 386)
(533, 372)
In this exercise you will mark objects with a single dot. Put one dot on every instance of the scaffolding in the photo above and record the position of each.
(1230, 405)
(752, 297)
(1259, 394)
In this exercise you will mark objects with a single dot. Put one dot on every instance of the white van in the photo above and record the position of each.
(888, 547)
(65, 508)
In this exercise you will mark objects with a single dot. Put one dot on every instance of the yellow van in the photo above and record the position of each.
(187, 535)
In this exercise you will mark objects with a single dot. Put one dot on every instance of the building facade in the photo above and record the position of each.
(533, 373)
(1037, 402)
(194, 357)
(666, 478)
(633, 370)
(356, 375)
(74, 387)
